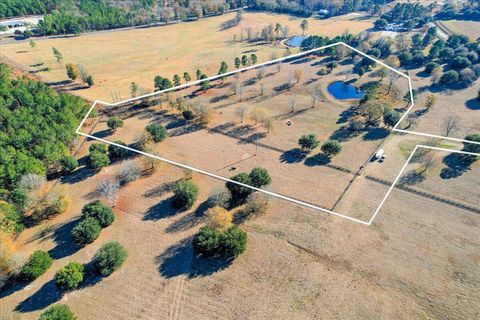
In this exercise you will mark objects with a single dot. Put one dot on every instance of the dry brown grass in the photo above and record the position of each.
(115, 59)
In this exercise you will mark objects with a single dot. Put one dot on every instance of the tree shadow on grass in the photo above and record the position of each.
(376, 134)
(78, 175)
(64, 244)
(160, 190)
(189, 220)
(161, 210)
(103, 133)
(411, 178)
(293, 156)
(174, 262)
(473, 104)
(344, 133)
(457, 164)
(317, 160)
(347, 114)
(45, 296)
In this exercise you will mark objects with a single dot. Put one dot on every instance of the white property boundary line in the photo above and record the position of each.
(296, 201)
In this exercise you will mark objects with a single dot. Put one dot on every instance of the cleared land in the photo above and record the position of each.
(229, 144)
(468, 28)
(418, 260)
(115, 59)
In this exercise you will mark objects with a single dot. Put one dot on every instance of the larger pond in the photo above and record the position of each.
(295, 41)
(343, 91)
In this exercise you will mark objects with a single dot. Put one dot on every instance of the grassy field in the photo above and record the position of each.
(115, 59)
(468, 28)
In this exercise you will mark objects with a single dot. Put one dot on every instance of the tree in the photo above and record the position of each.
(38, 263)
(278, 28)
(89, 81)
(449, 77)
(219, 218)
(114, 123)
(31, 181)
(32, 44)
(157, 131)
(244, 60)
(470, 147)
(68, 163)
(176, 80)
(57, 55)
(186, 77)
(98, 210)
(108, 188)
(185, 194)
(304, 26)
(237, 62)
(98, 160)
(133, 89)
(207, 241)
(116, 151)
(223, 69)
(162, 83)
(86, 231)
(391, 117)
(212, 242)
(97, 147)
(373, 112)
(109, 258)
(430, 102)
(70, 276)
(308, 142)
(240, 112)
(450, 124)
(259, 177)
(239, 192)
(380, 24)
(234, 242)
(72, 71)
(58, 312)
(253, 58)
(331, 148)
(267, 122)
(316, 94)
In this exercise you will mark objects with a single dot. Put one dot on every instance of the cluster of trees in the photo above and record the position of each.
(460, 10)
(258, 178)
(310, 141)
(12, 8)
(305, 8)
(75, 71)
(245, 60)
(409, 15)
(58, 312)
(270, 33)
(95, 216)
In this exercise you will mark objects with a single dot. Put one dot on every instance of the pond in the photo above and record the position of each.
(295, 41)
(343, 91)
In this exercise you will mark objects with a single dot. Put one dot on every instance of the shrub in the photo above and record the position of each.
(37, 264)
(219, 218)
(68, 163)
(188, 115)
(19, 196)
(185, 194)
(109, 258)
(240, 193)
(97, 147)
(308, 142)
(260, 177)
(101, 212)
(449, 77)
(429, 67)
(58, 312)
(331, 148)
(234, 242)
(98, 160)
(157, 131)
(391, 117)
(86, 231)
(114, 122)
(70, 276)
(207, 242)
(116, 152)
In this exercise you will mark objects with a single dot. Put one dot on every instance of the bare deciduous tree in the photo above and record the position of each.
(450, 125)
(392, 78)
(315, 93)
(32, 181)
(108, 189)
(240, 112)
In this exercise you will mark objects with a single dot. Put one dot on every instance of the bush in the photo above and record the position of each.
(109, 258)
(449, 77)
(259, 177)
(219, 218)
(240, 193)
(58, 312)
(68, 163)
(157, 131)
(188, 115)
(86, 231)
(114, 122)
(308, 142)
(101, 212)
(98, 160)
(185, 194)
(234, 242)
(331, 148)
(37, 264)
(212, 242)
(391, 117)
(116, 152)
(97, 147)
(70, 276)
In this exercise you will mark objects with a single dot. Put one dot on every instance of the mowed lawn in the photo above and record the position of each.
(115, 59)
